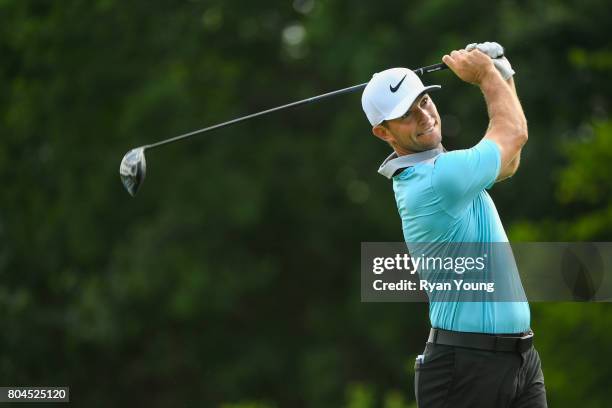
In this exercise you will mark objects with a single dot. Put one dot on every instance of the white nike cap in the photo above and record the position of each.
(390, 93)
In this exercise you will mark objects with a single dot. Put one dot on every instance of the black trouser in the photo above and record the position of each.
(457, 377)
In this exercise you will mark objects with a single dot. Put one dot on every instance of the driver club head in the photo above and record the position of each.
(133, 170)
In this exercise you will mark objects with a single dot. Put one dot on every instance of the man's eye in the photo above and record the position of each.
(424, 101)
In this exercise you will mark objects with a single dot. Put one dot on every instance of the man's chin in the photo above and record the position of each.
(428, 142)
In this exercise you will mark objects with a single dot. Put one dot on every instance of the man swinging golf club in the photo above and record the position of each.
(478, 354)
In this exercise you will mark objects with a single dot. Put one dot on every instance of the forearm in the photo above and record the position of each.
(510, 82)
(505, 112)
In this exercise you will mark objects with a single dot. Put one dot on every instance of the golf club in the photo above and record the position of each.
(134, 167)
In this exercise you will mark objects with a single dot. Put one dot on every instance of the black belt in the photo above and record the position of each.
(481, 341)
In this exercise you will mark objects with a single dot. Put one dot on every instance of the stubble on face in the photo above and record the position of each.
(418, 130)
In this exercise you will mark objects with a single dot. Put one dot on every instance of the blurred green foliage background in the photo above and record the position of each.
(232, 280)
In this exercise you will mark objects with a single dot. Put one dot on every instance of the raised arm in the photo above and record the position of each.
(507, 122)
(513, 166)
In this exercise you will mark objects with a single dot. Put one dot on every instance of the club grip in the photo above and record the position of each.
(430, 68)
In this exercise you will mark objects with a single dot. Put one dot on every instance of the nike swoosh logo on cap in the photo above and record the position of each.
(396, 87)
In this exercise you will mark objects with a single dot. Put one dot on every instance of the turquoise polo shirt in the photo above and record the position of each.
(441, 197)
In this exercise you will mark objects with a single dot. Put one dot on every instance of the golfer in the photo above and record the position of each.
(478, 354)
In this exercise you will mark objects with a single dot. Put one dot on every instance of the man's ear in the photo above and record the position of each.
(382, 133)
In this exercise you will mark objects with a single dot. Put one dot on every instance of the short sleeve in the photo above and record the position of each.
(459, 176)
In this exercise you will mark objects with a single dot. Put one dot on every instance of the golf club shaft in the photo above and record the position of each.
(420, 71)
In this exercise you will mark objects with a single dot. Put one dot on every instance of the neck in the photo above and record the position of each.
(400, 151)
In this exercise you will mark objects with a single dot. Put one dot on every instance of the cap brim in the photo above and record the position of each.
(407, 102)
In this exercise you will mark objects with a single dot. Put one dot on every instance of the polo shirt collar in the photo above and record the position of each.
(394, 162)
